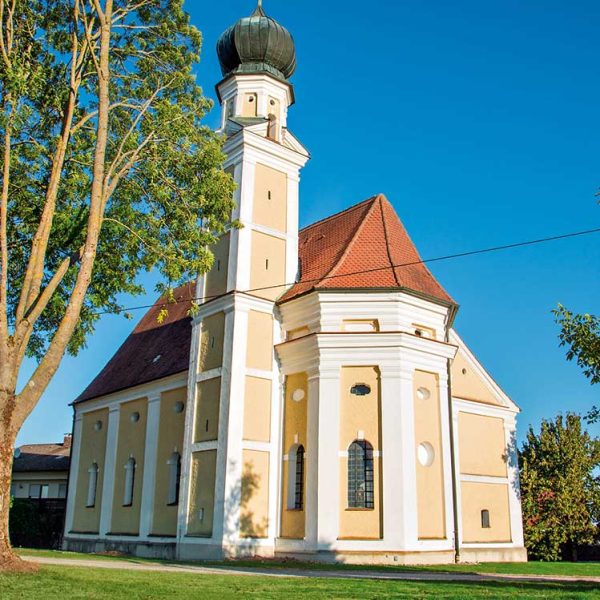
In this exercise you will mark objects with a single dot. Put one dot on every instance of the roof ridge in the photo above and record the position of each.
(387, 241)
(352, 241)
(341, 212)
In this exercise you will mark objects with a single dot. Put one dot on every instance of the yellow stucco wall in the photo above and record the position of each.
(482, 446)
(254, 505)
(131, 442)
(294, 432)
(257, 409)
(430, 478)
(93, 450)
(270, 198)
(207, 410)
(202, 499)
(259, 350)
(211, 342)
(360, 415)
(267, 266)
(216, 278)
(170, 439)
(249, 105)
(476, 497)
(469, 385)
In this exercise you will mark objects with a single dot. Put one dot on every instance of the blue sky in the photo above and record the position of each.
(480, 123)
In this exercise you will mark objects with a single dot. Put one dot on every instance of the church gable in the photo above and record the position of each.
(470, 381)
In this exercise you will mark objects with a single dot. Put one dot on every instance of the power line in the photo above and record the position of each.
(376, 269)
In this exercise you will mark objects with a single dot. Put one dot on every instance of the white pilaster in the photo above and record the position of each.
(514, 489)
(328, 500)
(73, 472)
(108, 480)
(230, 461)
(312, 462)
(392, 446)
(445, 417)
(150, 453)
(408, 497)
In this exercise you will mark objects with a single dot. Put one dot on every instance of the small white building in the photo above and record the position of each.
(41, 471)
(319, 405)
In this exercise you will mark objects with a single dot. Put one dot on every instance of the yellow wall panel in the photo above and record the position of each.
(211, 342)
(93, 450)
(170, 439)
(257, 409)
(207, 410)
(254, 505)
(270, 198)
(482, 446)
(131, 443)
(267, 266)
(476, 497)
(202, 499)
(259, 351)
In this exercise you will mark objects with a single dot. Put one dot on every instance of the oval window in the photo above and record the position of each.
(360, 389)
(425, 454)
(97, 425)
(423, 393)
(135, 417)
(298, 395)
(178, 407)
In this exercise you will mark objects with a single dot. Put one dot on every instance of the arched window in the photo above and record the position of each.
(129, 482)
(92, 485)
(485, 519)
(296, 478)
(299, 491)
(360, 475)
(174, 464)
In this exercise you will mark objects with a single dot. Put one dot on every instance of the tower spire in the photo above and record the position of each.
(258, 11)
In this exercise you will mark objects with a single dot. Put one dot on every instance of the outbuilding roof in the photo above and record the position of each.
(363, 247)
(42, 457)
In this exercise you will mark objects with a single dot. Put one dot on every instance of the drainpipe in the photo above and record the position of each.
(451, 315)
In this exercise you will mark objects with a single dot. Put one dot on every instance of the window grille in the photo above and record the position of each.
(485, 519)
(174, 477)
(92, 484)
(129, 482)
(299, 487)
(360, 475)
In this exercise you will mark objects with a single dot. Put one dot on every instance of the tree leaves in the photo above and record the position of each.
(560, 489)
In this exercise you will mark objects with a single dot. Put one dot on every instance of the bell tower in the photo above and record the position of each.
(230, 471)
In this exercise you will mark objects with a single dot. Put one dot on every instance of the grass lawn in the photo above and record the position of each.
(530, 568)
(75, 582)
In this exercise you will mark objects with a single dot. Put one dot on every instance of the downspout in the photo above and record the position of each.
(451, 315)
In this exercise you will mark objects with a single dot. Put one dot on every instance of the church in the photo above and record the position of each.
(318, 405)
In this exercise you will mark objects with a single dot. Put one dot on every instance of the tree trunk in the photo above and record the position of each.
(9, 561)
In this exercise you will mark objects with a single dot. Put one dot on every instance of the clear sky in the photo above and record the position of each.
(480, 121)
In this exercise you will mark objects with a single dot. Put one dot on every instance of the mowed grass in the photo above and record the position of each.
(77, 582)
(591, 569)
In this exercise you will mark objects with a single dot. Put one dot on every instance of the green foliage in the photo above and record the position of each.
(581, 333)
(560, 489)
(166, 208)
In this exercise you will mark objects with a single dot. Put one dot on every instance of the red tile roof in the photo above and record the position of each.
(152, 351)
(363, 247)
(359, 248)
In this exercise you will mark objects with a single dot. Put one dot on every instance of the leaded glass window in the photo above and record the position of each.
(360, 475)
(299, 487)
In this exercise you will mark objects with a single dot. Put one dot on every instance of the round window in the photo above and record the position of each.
(423, 393)
(425, 454)
(135, 417)
(298, 395)
(178, 407)
(97, 425)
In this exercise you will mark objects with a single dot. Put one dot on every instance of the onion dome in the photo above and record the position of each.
(257, 44)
